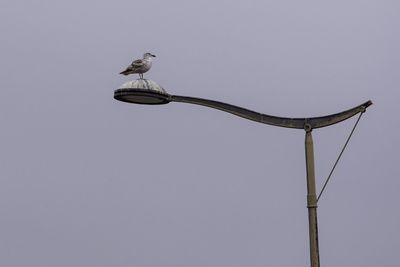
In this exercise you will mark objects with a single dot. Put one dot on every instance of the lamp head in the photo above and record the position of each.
(142, 91)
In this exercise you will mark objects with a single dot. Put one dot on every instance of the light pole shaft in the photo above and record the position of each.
(311, 200)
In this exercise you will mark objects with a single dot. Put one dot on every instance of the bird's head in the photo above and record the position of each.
(148, 55)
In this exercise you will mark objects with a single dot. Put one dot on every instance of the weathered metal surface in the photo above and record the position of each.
(297, 123)
(311, 200)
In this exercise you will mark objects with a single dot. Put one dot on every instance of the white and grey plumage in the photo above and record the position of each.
(139, 66)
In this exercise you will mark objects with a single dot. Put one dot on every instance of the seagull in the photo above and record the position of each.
(139, 66)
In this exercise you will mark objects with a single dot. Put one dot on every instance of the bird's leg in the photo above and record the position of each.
(141, 75)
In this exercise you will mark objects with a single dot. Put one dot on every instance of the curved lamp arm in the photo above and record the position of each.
(152, 97)
(297, 123)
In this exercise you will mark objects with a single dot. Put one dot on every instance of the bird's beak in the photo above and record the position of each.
(153, 55)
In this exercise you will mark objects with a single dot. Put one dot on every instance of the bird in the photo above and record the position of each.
(139, 66)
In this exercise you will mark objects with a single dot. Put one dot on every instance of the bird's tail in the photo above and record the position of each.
(125, 72)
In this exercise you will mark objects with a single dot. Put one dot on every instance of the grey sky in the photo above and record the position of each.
(89, 181)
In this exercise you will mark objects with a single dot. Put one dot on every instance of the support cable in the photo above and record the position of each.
(344, 147)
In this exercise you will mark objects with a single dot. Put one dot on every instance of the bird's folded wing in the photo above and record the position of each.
(137, 63)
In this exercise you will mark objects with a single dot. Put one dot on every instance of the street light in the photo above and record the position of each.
(143, 91)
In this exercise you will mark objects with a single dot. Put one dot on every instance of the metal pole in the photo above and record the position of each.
(311, 199)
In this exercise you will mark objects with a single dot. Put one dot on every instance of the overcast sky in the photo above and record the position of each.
(86, 180)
